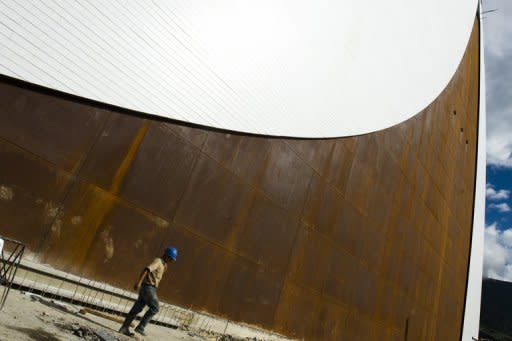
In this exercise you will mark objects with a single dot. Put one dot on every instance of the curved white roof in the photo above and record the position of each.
(315, 68)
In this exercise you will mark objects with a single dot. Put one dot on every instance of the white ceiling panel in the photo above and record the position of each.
(289, 68)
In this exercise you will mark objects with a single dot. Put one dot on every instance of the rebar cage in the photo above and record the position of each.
(11, 252)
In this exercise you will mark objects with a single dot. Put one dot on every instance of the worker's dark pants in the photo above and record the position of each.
(147, 297)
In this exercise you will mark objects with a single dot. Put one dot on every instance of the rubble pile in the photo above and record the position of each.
(82, 332)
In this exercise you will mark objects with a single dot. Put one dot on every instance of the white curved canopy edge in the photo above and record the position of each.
(276, 67)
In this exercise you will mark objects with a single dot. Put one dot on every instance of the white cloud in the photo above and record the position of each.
(507, 237)
(503, 207)
(497, 27)
(492, 194)
(498, 253)
(498, 55)
(499, 145)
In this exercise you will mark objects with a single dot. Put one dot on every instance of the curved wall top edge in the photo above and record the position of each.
(299, 69)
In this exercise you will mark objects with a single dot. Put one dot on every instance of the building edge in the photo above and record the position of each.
(471, 319)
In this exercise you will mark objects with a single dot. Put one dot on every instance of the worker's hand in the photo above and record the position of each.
(136, 287)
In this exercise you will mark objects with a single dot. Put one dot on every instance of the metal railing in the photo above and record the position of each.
(11, 252)
(51, 284)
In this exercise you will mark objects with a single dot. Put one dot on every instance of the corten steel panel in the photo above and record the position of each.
(160, 169)
(250, 293)
(340, 287)
(250, 169)
(286, 178)
(264, 219)
(213, 202)
(31, 190)
(298, 311)
(232, 151)
(345, 237)
(332, 318)
(58, 131)
(198, 279)
(110, 148)
(350, 238)
(119, 242)
(310, 259)
(322, 204)
(96, 227)
(338, 169)
(194, 135)
(222, 147)
(316, 153)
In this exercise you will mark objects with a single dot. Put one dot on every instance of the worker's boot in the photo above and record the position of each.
(125, 328)
(140, 331)
(125, 331)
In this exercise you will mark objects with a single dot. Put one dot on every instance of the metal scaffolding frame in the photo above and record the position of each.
(11, 252)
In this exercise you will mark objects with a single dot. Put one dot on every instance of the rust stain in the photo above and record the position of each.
(51, 210)
(128, 159)
(6, 193)
(97, 209)
(108, 243)
(76, 220)
(56, 227)
(161, 223)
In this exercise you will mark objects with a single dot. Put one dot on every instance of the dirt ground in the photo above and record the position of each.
(30, 318)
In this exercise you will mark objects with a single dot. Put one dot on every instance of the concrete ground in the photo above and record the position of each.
(28, 318)
(41, 278)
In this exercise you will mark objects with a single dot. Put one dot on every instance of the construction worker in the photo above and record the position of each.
(146, 286)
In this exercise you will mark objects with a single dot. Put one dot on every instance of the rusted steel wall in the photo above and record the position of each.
(350, 238)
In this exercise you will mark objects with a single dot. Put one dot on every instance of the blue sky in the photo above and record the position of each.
(498, 58)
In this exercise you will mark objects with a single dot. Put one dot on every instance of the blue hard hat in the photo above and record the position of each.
(172, 253)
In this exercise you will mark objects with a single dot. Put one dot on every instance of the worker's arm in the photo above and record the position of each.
(143, 275)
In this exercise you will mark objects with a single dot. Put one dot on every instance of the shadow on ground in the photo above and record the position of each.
(36, 334)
